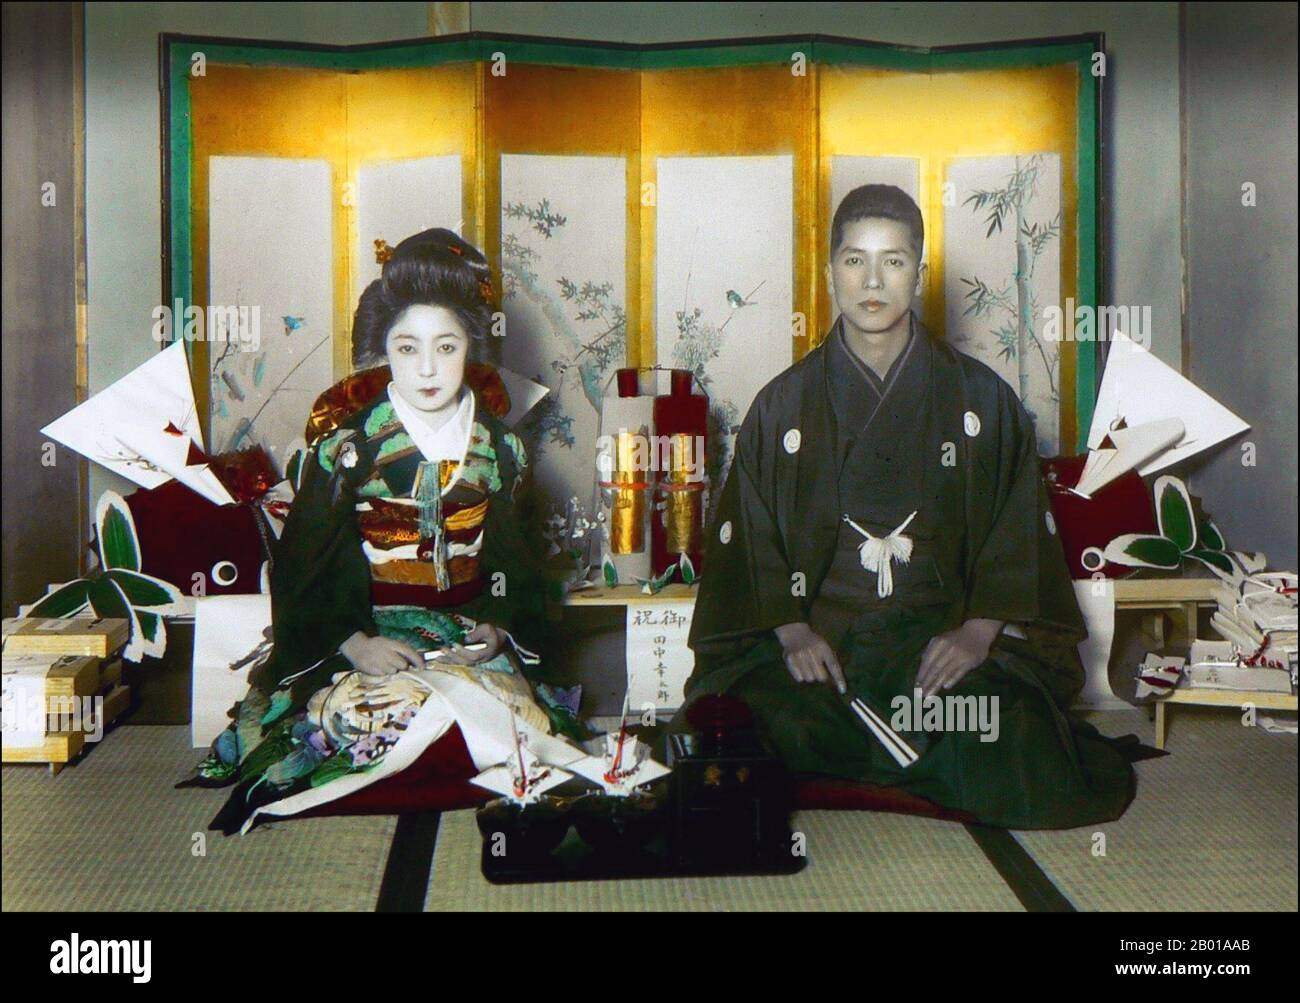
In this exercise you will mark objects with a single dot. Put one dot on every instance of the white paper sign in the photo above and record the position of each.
(1097, 603)
(658, 660)
(231, 635)
(22, 701)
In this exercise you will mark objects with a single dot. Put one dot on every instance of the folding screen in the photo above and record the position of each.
(640, 205)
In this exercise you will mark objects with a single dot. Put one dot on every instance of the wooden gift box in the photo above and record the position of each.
(71, 676)
(76, 635)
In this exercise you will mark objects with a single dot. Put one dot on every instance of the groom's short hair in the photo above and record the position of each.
(878, 202)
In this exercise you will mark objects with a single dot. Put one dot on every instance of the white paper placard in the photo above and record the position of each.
(22, 702)
(658, 660)
(1097, 603)
(231, 635)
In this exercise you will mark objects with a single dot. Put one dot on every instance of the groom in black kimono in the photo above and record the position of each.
(883, 530)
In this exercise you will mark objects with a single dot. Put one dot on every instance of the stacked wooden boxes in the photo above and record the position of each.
(73, 668)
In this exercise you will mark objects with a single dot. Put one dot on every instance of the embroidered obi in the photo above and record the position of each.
(422, 522)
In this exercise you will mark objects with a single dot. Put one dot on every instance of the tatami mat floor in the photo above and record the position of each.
(1213, 827)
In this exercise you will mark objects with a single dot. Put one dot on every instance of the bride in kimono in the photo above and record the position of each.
(405, 597)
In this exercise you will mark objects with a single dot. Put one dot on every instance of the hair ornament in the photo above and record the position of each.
(383, 251)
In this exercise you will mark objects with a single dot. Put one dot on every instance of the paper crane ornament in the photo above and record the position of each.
(522, 778)
(1123, 449)
(145, 427)
(625, 765)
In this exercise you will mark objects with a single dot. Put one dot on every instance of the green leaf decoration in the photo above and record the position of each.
(1174, 512)
(610, 572)
(106, 599)
(67, 600)
(338, 765)
(280, 701)
(118, 542)
(150, 625)
(1214, 559)
(153, 640)
(1143, 551)
(687, 569)
(144, 590)
(1211, 538)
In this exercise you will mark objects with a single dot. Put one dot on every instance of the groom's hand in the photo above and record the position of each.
(808, 658)
(949, 656)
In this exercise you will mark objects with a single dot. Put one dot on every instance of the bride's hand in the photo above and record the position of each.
(380, 656)
(483, 633)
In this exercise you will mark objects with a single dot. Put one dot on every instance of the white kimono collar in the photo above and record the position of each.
(447, 443)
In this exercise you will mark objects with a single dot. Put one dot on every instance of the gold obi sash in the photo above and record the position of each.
(441, 554)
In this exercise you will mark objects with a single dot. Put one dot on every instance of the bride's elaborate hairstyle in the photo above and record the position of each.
(434, 267)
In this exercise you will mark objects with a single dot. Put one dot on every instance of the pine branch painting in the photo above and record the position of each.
(563, 250)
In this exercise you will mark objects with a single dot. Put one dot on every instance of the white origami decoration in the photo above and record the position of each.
(1158, 676)
(625, 766)
(523, 778)
(1148, 417)
(145, 427)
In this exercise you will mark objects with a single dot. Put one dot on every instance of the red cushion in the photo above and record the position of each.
(437, 781)
(849, 795)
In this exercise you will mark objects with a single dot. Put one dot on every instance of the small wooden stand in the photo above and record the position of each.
(1218, 698)
(1181, 599)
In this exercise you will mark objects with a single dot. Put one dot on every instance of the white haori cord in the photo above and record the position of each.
(878, 552)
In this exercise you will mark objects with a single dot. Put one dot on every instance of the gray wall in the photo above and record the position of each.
(1240, 109)
(39, 297)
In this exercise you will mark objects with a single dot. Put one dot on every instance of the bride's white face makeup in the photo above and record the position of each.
(427, 350)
